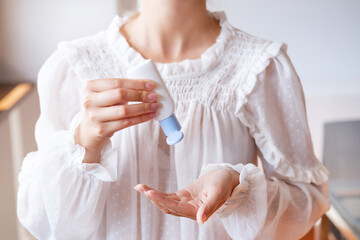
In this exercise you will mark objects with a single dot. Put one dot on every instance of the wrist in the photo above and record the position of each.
(234, 178)
(92, 150)
(92, 155)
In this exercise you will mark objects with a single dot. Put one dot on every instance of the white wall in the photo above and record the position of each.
(30, 30)
(331, 108)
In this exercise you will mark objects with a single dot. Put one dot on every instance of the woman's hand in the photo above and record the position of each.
(107, 111)
(200, 199)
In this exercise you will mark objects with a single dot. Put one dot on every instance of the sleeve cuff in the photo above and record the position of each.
(106, 169)
(246, 209)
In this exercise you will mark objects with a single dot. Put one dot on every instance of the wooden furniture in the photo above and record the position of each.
(10, 95)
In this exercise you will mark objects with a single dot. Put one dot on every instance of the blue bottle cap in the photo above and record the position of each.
(171, 128)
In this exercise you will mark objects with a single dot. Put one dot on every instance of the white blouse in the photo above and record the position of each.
(241, 99)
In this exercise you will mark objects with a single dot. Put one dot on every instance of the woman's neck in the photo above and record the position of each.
(176, 29)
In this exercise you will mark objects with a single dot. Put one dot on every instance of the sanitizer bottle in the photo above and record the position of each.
(168, 121)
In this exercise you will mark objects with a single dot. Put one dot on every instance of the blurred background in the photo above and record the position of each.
(323, 39)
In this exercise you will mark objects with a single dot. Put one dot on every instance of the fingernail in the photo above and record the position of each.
(152, 96)
(154, 106)
(149, 85)
(137, 188)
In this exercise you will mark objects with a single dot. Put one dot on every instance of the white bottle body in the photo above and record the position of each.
(148, 70)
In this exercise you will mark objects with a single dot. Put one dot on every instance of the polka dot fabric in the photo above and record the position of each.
(239, 100)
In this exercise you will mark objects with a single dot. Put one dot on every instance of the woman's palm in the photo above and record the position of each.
(199, 200)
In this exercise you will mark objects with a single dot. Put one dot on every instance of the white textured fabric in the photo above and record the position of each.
(241, 98)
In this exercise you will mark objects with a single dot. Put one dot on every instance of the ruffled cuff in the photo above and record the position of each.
(106, 169)
(246, 208)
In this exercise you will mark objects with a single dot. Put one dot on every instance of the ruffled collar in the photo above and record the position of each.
(130, 57)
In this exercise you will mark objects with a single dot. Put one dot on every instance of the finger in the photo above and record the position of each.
(99, 85)
(144, 188)
(106, 129)
(114, 126)
(212, 203)
(172, 212)
(178, 207)
(119, 112)
(163, 209)
(120, 95)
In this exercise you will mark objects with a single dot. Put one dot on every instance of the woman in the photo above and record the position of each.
(236, 96)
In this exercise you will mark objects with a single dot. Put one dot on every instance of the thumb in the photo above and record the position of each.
(210, 205)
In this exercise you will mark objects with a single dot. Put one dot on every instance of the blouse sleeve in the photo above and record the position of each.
(59, 197)
(286, 199)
